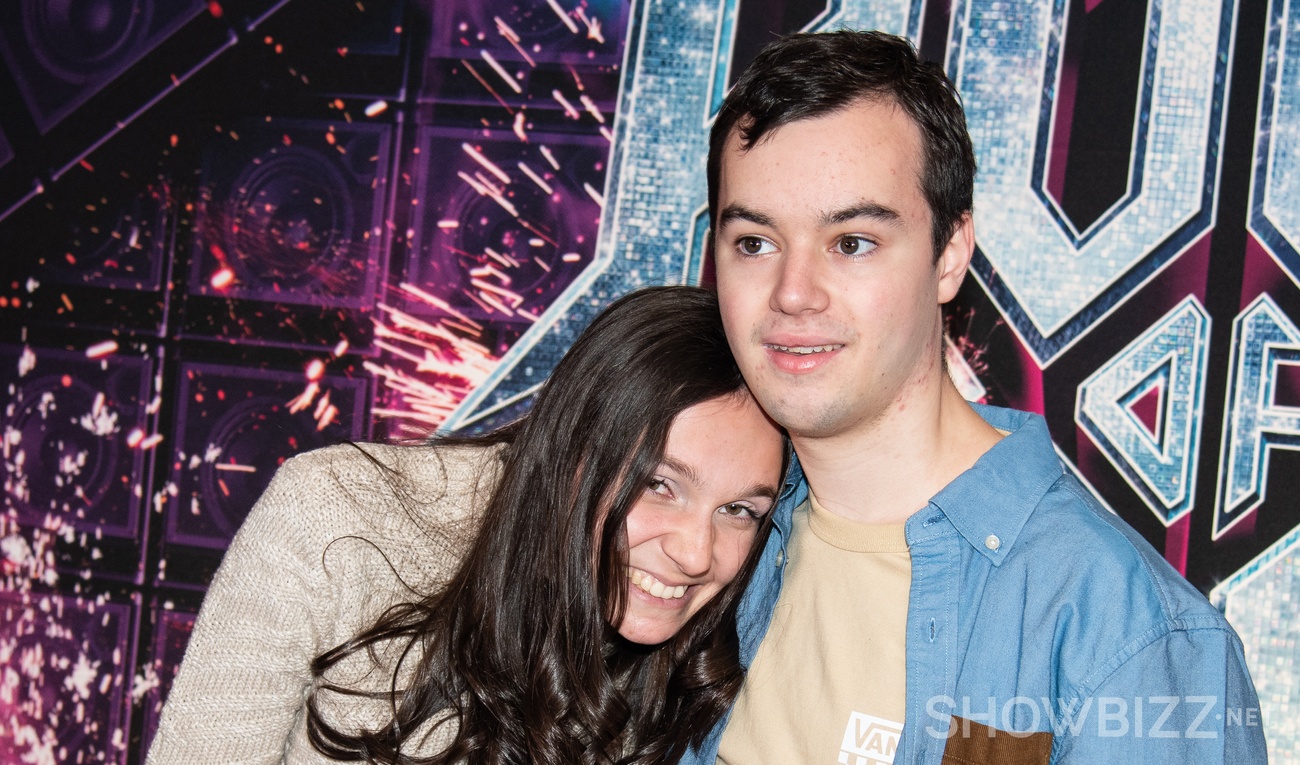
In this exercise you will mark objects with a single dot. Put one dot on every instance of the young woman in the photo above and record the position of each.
(560, 591)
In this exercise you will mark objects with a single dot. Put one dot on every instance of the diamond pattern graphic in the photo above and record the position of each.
(1142, 409)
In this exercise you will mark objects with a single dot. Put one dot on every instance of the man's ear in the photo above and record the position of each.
(955, 258)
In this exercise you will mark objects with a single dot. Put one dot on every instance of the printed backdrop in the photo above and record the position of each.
(234, 230)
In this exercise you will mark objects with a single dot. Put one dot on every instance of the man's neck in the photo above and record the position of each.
(888, 469)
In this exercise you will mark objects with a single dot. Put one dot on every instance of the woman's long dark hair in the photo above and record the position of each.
(517, 646)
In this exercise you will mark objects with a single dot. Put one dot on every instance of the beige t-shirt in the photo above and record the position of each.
(829, 683)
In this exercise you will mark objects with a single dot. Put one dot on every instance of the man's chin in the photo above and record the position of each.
(807, 419)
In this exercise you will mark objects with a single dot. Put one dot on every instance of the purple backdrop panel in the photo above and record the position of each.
(344, 48)
(292, 212)
(380, 31)
(66, 665)
(77, 435)
(62, 53)
(588, 32)
(99, 249)
(171, 635)
(234, 427)
(509, 187)
(507, 224)
(119, 242)
(495, 59)
(6, 151)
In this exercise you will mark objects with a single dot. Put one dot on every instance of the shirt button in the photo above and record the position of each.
(992, 542)
(780, 557)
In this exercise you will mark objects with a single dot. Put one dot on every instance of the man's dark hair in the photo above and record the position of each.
(807, 75)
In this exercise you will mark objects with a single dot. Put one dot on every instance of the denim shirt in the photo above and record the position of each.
(1034, 609)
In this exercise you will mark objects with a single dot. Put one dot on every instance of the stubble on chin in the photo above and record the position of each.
(808, 417)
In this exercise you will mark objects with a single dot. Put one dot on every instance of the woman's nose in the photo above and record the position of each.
(690, 543)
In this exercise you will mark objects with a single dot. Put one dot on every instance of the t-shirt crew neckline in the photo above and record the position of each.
(852, 536)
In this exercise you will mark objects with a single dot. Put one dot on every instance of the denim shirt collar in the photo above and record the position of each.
(794, 491)
(992, 499)
(990, 503)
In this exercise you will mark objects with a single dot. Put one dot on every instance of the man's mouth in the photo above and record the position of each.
(803, 350)
(654, 586)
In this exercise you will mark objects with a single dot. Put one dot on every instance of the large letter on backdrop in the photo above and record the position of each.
(655, 189)
(1263, 341)
(1261, 599)
(1275, 188)
(1051, 279)
(1261, 602)
(1143, 409)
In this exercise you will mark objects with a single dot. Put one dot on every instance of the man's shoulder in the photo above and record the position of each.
(1093, 594)
(1098, 559)
(1073, 551)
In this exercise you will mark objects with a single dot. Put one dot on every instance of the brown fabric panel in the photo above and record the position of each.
(972, 743)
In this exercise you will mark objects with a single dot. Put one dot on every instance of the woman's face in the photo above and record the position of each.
(693, 526)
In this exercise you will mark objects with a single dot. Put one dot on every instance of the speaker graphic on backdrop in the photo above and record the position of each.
(206, 208)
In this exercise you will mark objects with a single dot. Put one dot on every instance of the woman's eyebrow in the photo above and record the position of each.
(766, 491)
(681, 468)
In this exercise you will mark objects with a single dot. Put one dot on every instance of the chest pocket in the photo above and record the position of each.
(972, 743)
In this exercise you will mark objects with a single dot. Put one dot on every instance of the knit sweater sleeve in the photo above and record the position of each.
(246, 670)
(338, 537)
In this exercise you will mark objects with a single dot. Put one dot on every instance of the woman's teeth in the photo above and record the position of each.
(654, 586)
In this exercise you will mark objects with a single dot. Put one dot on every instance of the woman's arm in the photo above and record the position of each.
(239, 693)
(339, 537)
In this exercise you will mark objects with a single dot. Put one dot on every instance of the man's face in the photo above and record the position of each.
(829, 286)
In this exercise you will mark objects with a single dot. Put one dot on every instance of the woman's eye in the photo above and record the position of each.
(754, 245)
(854, 245)
(657, 486)
(739, 510)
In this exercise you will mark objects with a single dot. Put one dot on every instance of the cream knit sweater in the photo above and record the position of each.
(323, 553)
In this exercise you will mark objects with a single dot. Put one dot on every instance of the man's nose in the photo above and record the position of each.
(800, 286)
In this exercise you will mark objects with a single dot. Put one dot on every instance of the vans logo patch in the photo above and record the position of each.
(869, 740)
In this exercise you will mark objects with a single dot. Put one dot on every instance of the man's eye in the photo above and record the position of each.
(754, 245)
(854, 245)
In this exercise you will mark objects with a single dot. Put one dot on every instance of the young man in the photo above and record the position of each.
(939, 589)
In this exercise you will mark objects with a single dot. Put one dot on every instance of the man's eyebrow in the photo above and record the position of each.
(869, 210)
(734, 212)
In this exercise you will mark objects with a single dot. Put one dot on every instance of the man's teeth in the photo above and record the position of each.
(654, 586)
(804, 350)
